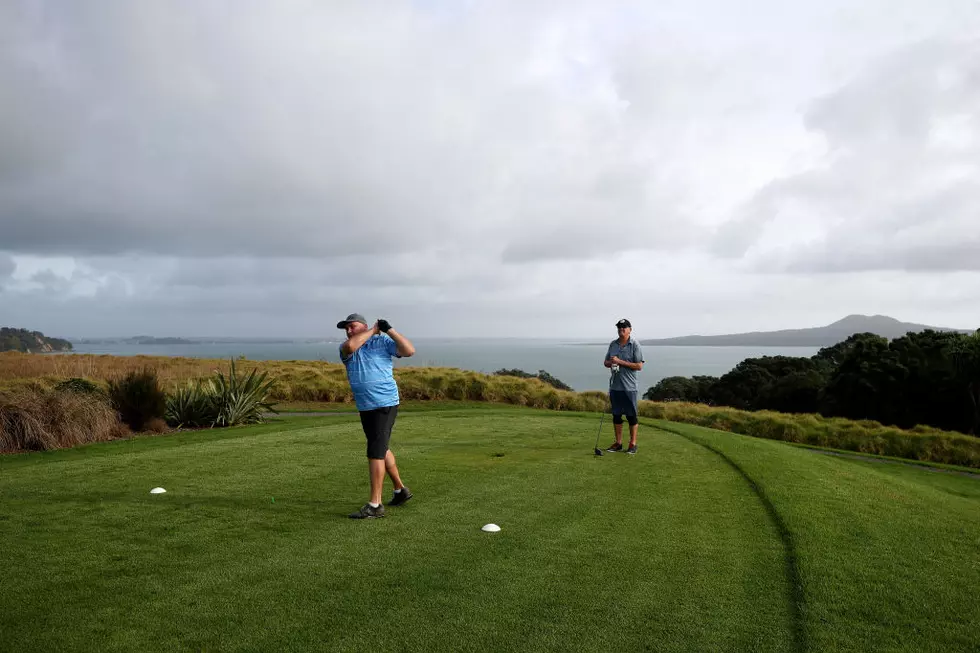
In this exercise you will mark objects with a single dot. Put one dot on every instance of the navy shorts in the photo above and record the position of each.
(623, 405)
(377, 426)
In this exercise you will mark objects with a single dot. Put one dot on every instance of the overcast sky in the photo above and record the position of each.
(487, 168)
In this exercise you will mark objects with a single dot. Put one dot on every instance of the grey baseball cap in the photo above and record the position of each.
(353, 317)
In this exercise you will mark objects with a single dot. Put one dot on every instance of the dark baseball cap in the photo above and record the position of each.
(353, 317)
(624, 323)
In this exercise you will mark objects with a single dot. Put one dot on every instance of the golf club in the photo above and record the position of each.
(598, 451)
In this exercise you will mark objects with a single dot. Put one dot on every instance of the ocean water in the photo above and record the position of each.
(578, 365)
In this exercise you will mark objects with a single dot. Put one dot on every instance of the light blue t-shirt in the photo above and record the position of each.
(369, 373)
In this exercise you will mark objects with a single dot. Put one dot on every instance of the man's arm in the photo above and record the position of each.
(357, 340)
(403, 345)
(632, 366)
(637, 356)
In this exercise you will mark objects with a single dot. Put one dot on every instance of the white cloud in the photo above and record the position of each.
(897, 189)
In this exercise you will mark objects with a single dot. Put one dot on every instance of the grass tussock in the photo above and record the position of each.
(42, 419)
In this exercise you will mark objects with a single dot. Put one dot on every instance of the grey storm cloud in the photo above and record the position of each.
(432, 269)
(177, 132)
(7, 266)
(491, 167)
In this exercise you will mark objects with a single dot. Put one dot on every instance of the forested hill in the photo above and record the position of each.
(30, 341)
(825, 336)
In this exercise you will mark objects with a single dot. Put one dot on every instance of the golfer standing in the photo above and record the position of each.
(367, 354)
(624, 358)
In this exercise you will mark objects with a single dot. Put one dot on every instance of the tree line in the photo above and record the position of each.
(929, 377)
(30, 341)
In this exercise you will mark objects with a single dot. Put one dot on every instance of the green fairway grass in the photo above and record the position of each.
(703, 541)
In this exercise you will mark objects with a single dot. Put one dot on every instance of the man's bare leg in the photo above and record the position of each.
(392, 470)
(376, 468)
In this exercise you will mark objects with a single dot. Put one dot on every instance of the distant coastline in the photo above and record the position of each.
(171, 340)
(825, 336)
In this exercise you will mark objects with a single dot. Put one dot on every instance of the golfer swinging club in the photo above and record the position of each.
(367, 356)
(624, 358)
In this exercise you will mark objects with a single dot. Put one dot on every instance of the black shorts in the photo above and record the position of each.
(623, 405)
(377, 425)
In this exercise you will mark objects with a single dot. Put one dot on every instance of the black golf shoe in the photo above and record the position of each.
(616, 446)
(399, 498)
(631, 450)
(368, 512)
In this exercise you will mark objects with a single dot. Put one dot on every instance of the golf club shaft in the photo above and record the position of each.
(596, 446)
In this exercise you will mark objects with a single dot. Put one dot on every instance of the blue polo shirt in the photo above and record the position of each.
(369, 373)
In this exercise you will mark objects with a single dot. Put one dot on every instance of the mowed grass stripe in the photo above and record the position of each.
(888, 555)
(796, 598)
(667, 550)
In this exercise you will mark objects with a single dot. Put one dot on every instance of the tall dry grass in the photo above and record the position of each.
(16, 366)
(922, 443)
(41, 419)
(295, 380)
(314, 381)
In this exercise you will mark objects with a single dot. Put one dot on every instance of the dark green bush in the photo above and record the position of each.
(82, 386)
(138, 398)
(192, 405)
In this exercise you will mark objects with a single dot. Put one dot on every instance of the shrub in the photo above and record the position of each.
(512, 391)
(138, 398)
(552, 381)
(413, 388)
(241, 400)
(542, 375)
(456, 388)
(192, 405)
(521, 374)
(76, 384)
(476, 388)
(552, 400)
(435, 385)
